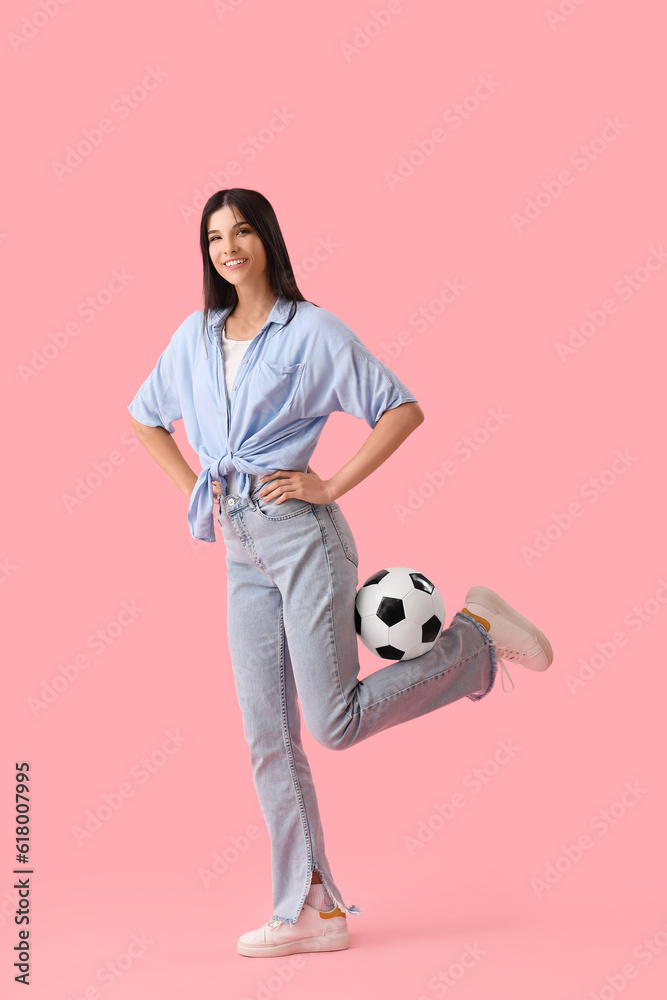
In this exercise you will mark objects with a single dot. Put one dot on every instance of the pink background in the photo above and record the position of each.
(218, 77)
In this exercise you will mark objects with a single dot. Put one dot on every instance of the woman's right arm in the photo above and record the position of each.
(160, 445)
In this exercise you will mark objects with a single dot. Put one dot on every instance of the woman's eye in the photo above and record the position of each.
(238, 233)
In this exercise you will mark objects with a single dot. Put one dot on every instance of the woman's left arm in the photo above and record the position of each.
(391, 430)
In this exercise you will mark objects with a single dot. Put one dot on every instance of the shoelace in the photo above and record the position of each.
(509, 656)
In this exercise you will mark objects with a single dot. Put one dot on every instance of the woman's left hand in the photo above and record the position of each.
(300, 485)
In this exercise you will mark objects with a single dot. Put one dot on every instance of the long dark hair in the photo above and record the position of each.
(258, 211)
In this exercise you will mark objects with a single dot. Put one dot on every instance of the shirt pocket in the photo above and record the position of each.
(275, 386)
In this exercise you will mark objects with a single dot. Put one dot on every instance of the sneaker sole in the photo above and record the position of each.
(488, 598)
(330, 942)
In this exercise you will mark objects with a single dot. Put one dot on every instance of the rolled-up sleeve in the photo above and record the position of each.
(363, 385)
(157, 402)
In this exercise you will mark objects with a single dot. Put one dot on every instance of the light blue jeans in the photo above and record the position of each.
(291, 587)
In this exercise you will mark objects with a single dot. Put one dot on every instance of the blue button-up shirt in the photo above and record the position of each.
(291, 377)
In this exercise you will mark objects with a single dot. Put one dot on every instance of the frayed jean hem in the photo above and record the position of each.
(492, 655)
(355, 911)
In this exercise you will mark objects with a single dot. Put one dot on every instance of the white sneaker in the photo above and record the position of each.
(315, 930)
(514, 637)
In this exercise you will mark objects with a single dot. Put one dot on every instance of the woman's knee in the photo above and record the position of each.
(332, 734)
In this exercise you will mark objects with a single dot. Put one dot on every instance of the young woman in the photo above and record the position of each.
(254, 377)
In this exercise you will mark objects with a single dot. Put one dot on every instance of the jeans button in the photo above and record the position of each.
(230, 501)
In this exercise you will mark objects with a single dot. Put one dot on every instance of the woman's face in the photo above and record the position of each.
(231, 238)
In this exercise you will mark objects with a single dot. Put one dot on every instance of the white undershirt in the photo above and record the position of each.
(233, 351)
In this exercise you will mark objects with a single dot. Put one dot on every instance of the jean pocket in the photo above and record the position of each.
(344, 532)
(271, 511)
(275, 386)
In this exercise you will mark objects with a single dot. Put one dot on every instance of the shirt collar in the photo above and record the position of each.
(279, 313)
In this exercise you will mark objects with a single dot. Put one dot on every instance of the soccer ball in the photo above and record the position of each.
(398, 613)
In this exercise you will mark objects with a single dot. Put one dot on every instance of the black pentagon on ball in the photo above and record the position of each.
(375, 578)
(430, 629)
(391, 611)
(357, 621)
(422, 582)
(389, 652)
